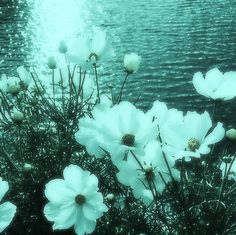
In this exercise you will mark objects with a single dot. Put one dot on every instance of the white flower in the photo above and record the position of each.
(116, 130)
(74, 201)
(216, 85)
(190, 137)
(155, 172)
(85, 49)
(7, 209)
(132, 62)
(124, 128)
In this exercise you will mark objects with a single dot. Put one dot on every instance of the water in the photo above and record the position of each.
(174, 38)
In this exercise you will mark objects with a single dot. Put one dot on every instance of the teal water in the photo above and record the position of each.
(175, 39)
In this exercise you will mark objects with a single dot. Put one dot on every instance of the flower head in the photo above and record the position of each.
(7, 209)
(132, 62)
(84, 49)
(191, 137)
(216, 85)
(154, 172)
(74, 200)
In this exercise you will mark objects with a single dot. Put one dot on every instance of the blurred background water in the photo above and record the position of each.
(175, 38)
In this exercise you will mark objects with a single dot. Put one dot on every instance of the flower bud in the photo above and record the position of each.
(17, 117)
(231, 134)
(227, 159)
(27, 167)
(62, 47)
(52, 64)
(132, 62)
(110, 197)
(13, 90)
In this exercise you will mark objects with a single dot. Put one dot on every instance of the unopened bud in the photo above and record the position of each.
(17, 117)
(231, 134)
(27, 167)
(52, 64)
(226, 159)
(62, 47)
(132, 62)
(110, 197)
(13, 90)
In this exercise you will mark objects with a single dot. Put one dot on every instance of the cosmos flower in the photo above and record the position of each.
(116, 130)
(125, 128)
(154, 172)
(216, 85)
(7, 209)
(74, 200)
(84, 49)
(190, 137)
(132, 62)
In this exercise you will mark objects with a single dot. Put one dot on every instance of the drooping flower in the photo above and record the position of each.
(190, 137)
(153, 174)
(74, 200)
(84, 49)
(132, 62)
(7, 209)
(216, 85)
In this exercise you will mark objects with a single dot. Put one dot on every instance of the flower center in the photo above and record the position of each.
(80, 199)
(128, 140)
(193, 144)
(149, 173)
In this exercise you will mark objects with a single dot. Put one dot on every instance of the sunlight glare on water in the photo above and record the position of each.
(52, 21)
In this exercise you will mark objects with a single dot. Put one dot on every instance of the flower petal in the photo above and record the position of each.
(7, 212)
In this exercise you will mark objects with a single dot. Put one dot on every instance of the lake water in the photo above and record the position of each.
(175, 38)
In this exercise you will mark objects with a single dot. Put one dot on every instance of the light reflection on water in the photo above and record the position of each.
(52, 21)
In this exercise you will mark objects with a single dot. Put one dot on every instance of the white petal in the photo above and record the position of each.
(214, 78)
(227, 89)
(3, 188)
(201, 86)
(63, 216)
(58, 192)
(216, 135)
(7, 212)
(73, 176)
(84, 225)
(197, 125)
